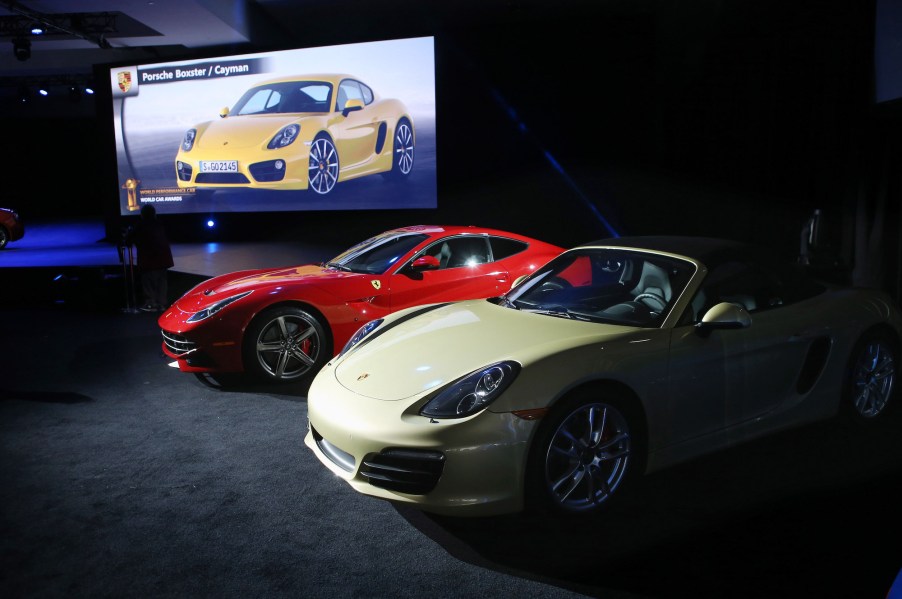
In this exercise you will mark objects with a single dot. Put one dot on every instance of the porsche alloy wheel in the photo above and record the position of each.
(585, 455)
(322, 171)
(402, 162)
(872, 373)
(285, 344)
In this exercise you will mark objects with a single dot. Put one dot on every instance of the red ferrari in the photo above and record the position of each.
(284, 324)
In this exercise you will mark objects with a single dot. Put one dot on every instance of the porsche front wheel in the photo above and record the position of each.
(322, 170)
(583, 455)
(285, 344)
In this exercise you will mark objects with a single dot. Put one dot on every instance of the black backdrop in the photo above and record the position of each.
(569, 121)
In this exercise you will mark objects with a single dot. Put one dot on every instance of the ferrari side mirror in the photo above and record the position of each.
(425, 263)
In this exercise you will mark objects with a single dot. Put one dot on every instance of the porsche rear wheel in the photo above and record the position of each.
(870, 378)
(402, 149)
(584, 454)
(322, 170)
(285, 344)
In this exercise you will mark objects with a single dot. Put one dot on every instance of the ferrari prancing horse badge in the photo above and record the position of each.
(376, 284)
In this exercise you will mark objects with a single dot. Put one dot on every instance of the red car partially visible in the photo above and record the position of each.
(283, 325)
(11, 227)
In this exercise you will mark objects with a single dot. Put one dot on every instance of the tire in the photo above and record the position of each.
(571, 472)
(285, 344)
(402, 150)
(869, 389)
(323, 166)
(4, 237)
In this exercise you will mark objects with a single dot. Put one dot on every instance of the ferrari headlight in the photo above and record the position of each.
(188, 140)
(473, 392)
(208, 312)
(285, 137)
(360, 334)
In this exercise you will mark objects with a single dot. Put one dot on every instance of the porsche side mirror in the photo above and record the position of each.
(351, 106)
(224, 112)
(724, 316)
(425, 263)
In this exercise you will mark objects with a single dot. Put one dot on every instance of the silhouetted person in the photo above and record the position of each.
(154, 259)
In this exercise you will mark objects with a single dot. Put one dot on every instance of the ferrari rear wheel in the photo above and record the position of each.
(583, 455)
(322, 171)
(870, 377)
(285, 344)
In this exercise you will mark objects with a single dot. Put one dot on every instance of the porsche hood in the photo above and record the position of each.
(238, 132)
(412, 356)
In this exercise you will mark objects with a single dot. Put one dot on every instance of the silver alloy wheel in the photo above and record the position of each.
(288, 346)
(4, 238)
(404, 148)
(322, 171)
(872, 378)
(587, 457)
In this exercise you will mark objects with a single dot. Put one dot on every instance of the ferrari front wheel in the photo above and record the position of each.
(285, 344)
(323, 166)
(584, 454)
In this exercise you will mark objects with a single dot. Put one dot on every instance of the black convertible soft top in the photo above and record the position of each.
(710, 251)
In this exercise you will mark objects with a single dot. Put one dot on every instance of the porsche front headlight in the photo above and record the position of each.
(285, 137)
(213, 309)
(360, 334)
(188, 140)
(473, 392)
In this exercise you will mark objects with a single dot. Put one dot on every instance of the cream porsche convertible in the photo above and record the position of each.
(614, 359)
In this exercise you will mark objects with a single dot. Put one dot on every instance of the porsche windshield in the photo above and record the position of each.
(285, 97)
(613, 286)
(377, 254)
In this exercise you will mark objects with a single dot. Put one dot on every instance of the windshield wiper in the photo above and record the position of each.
(560, 312)
(502, 300)
(337, 266)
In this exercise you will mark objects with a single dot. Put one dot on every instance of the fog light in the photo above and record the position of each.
(279, 165)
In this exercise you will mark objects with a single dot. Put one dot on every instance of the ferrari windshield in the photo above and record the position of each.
(285, 97)
(377, 254)
(615, 286)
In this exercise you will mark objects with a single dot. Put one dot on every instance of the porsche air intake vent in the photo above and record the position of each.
(411, 471)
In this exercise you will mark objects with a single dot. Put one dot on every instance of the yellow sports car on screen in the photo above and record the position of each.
(298, 133)
(614, 359)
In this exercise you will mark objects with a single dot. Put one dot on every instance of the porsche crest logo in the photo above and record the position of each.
(376, 284)
(125, 81)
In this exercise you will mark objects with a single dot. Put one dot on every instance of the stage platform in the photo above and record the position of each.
(73, 262)
(83, 244)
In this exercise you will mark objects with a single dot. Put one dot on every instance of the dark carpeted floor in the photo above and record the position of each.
(122, 476)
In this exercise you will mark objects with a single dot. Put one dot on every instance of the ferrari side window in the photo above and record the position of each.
(504, 248)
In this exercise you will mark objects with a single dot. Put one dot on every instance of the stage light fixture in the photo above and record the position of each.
(37, 29)
(22, 48)
(89, 91)
(211, 223)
